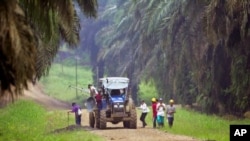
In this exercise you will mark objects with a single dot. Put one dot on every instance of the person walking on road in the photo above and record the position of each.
(78, 114)
(170, 113)
(154, 111)
(161, 108)
(144, 109)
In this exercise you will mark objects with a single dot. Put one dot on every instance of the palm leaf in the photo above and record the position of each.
(17, 48)
(24, 54)
(89, 7)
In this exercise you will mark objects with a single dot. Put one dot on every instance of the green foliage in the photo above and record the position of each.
(21, 120)
(200, 126)
(240, 82)
(147, 91)
(25, 120)
(193, 50)
(57, 83)
(35, 30)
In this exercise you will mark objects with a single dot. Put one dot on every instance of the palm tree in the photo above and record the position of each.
(30, 34)
(196, 51)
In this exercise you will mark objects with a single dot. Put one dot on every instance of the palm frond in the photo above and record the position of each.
(17, 48)
(69, 23)
(30, 33)
(89, 7)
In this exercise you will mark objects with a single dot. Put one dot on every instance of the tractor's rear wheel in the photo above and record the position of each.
(91, 119)
(133, 119)
(103, 123)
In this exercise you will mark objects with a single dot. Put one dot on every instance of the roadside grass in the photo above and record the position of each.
(58, 83)
(199, 126)
(27, 121)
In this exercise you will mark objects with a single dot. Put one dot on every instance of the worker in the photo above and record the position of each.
(161, 108)
(170, 112)
(154, 111)
(144, 113)
(78, 114)
(92, 90)
(98, 99)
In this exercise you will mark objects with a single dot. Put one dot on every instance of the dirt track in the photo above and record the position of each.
(113, 132)
(118, 133)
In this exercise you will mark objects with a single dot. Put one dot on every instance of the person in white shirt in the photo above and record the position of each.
(92, 90)
(145, 110)
(161, 108)
(170, 113)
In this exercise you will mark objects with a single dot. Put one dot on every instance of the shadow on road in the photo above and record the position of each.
(71, 128)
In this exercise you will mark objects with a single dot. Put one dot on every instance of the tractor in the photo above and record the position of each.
(116, 104)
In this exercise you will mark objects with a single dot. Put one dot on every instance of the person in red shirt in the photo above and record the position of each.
(154, 110)
(98, 99)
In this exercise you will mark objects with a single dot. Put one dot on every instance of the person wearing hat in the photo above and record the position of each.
(161, 107)
(154, 111)
(170, 112)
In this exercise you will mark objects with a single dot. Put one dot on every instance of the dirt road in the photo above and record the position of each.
(116, 132)
(113, 132)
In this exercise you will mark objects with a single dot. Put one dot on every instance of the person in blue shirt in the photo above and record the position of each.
(77, 110)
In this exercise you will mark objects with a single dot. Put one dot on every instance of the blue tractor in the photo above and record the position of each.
(116, 104)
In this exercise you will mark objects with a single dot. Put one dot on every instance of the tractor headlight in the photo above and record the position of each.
(118, 105)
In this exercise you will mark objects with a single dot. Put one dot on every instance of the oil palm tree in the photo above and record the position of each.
(197, 50)
(30, 33)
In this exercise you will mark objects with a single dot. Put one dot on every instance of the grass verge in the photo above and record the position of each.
(200, 126)
(58, 83)
(27, 121)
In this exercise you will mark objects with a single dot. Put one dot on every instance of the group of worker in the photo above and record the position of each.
(159, 109)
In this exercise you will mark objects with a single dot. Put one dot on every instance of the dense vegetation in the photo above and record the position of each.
(195, 51)
(30, 35)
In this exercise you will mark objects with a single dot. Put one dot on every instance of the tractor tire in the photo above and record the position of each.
(133, 119)
(103, 123)
(97, 119)
(91, 119)
(125, 124)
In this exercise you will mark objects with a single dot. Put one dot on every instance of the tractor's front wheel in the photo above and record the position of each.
(103, 123)
(133, 119)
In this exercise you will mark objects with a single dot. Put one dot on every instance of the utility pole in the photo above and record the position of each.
(97, 76)
(76, 76)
